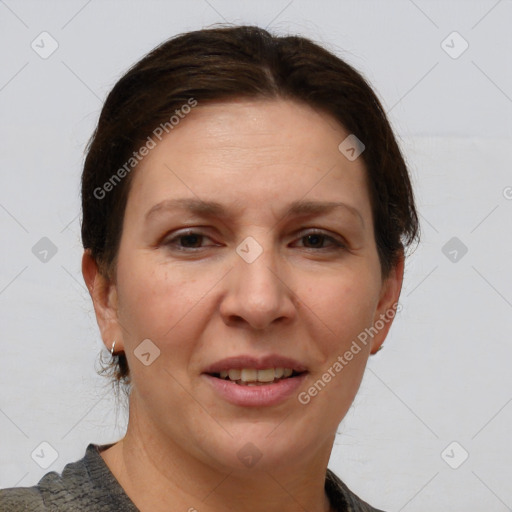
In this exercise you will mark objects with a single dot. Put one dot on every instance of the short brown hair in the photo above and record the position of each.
(231, 63)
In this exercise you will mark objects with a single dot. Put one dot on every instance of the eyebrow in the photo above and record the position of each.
(203, 208)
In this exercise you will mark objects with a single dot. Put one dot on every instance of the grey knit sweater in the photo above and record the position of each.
(89, 485)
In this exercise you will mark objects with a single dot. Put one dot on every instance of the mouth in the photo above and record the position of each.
(256, 381)
(256, 377)
(251, 382)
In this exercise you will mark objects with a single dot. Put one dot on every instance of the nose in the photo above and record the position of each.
(258, 294)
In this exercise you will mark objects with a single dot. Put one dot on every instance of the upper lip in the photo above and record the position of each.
(258, 363)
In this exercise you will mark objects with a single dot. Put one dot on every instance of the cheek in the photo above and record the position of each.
(148, 297)
(343, 308)
(344, 303)
(163, 302)
(158, 304)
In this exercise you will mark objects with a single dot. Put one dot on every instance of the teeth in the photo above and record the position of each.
(234, 374)
(248, 375)
(266, 375)
(253, 377)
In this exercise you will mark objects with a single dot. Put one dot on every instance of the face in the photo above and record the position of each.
(248, 243)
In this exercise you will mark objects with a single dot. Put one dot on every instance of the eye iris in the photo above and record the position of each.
(191, 240)
(314, 239)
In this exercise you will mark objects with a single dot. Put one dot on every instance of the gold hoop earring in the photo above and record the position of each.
(112, 349)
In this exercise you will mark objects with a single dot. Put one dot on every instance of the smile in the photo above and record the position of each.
(254, 377)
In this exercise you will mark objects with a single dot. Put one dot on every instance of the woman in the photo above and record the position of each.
(245, 214)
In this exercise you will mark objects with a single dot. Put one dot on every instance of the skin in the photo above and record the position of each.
(302, 297)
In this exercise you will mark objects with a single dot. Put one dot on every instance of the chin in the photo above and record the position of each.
(264, 446)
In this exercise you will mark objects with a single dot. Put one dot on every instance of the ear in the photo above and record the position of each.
(388, 303)
(104, 297)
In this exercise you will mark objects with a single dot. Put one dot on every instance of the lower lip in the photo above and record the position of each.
(256, 396)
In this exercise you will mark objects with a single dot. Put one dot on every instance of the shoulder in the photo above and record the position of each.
(86, 484)
(52, 492)
(342, 498)
(21, 499)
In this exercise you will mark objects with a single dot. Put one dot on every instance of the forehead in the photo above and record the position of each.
(292, 129)
(252, 152)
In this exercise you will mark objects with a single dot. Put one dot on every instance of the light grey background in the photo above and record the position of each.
(444, 374)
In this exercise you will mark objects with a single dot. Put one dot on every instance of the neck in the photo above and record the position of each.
(147, 460)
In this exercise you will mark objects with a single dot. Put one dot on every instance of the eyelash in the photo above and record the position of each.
(337, 245)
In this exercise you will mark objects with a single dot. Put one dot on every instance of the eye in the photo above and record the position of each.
(189, 240)
(318, 239)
